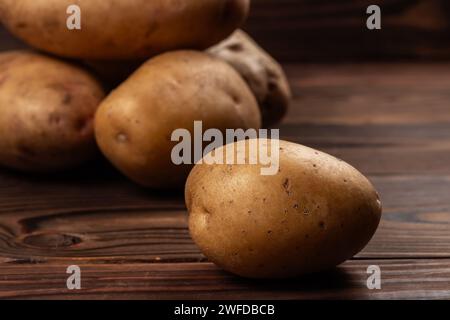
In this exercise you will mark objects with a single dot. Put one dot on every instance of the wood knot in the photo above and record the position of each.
(51, 240)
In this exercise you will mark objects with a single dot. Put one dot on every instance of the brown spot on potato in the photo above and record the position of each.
(322, 225)
(271, 74)
(287, 186)
(67, 98)
(21, 25)
(272, 86)
(236, 99)
(236, 47)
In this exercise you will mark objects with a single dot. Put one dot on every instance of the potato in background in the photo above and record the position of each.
(135, 122)
(131, 29)
(46, 112)
(263, 74)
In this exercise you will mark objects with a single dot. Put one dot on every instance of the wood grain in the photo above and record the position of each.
(370, 94)
(67, 224)
(328, 30)
(401, 279)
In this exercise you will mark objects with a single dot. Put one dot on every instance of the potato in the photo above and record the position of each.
(112, 29)
(46, 113)
(264, 74)
(312, 215)
(135, 122)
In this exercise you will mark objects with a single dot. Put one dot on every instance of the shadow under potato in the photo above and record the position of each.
(95, 176)
(336, 278)
(87, 172)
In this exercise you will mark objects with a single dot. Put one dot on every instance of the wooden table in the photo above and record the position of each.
(391, 121)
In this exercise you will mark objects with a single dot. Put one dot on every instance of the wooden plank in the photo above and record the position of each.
(328, 30)
(368, 94)
(113, 221)
(380, 149)
(400, 279)
(416, 218)
(382, 118)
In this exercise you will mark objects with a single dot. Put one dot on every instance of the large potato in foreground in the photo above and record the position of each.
(46, 113)
(263, 74)
(130, 29)
(135, 123)
(315, 213)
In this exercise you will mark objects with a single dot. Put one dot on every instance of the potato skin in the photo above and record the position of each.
(135, 122)
(314, 214)
(131, 29)
(263, 74)
(46, 112)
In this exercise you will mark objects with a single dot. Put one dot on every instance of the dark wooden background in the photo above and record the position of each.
(389, 119)
(335, 30)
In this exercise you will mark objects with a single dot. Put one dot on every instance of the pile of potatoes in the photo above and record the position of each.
(171, 63)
